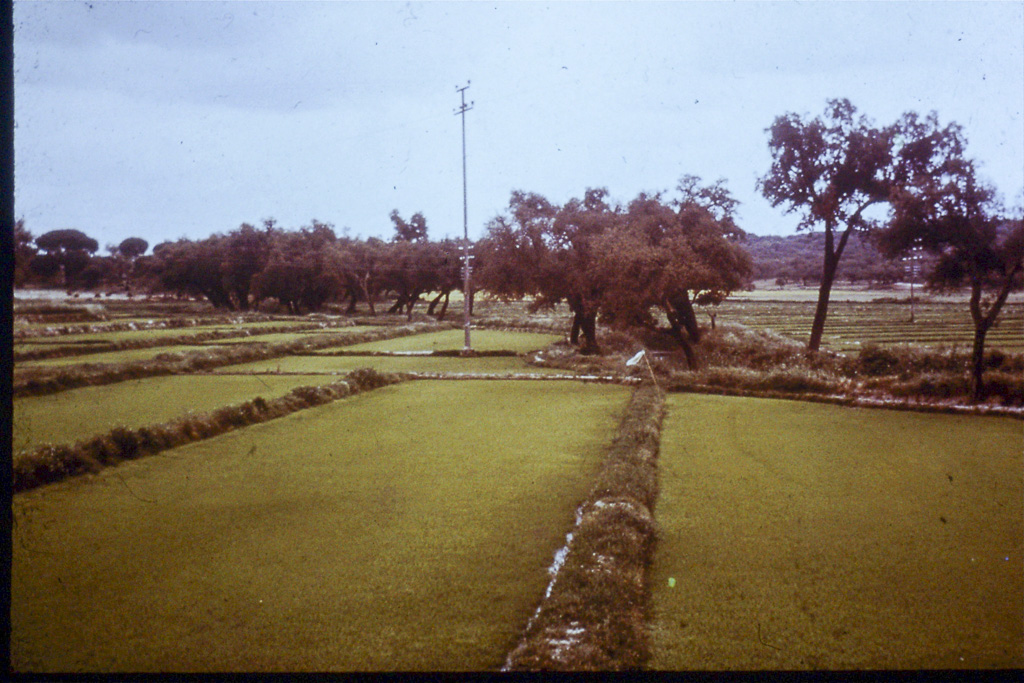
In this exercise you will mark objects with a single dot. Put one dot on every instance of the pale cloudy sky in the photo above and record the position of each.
(171, 119)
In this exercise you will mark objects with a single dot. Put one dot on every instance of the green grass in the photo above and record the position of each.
(481, 340)
(113, 356)
(314, 364)
(274, 338)
(151, 352)
(68, 416)
(125, 335)
(177, 333)
(407, 528)
(808, 536)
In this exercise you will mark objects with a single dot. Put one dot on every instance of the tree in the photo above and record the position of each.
(24, 252)
(62, 241)
(670, 256)
(68, 252)
(449, 275)
(833, 168)
(132, 247)
(244, 252)
(126, 255)
(543, 251)
(193, 268)
(363, 265)
(303, 269)
(413, 231)
(958, 219)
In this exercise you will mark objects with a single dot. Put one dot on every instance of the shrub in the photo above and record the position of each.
(1008, 388)
(874, 361)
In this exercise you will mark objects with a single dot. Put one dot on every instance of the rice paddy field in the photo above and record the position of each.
(408, 528)
(806, 536)
(68, 416)
(857, 317)
(414, 526)
(454, 340)
(340, 364)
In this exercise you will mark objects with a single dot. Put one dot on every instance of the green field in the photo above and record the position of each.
(157, 332)
(408, 528)
(279, 337)
(851, 324)
(454, 340)
(114, 356)
(68, 416)
(335, 364)
(807, 536)
(248, 332)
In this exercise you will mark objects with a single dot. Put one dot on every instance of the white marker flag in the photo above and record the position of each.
(635, 359)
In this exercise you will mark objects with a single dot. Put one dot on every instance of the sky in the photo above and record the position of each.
(164, 119)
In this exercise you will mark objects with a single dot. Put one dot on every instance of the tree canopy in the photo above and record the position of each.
(623, 264)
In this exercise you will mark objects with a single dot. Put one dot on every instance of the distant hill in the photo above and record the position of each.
(798, 259)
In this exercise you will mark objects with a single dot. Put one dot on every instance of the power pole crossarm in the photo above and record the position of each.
(461, 111)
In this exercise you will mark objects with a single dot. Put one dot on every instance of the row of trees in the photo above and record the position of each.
(905, 187)
(306, 268)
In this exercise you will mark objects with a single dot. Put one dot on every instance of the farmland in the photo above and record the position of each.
(850, 539)
(857, 318)
(414, 525)
(392, 537)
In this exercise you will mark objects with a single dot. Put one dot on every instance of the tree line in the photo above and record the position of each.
(859, 188)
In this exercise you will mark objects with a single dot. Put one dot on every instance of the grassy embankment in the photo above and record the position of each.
(407, 528)
(46, 464)
(809, 536)
(453, 340)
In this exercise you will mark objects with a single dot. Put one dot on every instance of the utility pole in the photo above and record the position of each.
(461, 111)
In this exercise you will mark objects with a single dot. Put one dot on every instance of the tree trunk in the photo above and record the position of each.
(413, 300)
(828, 276)
(818, 326)
(364, 285)
(588, 325)
(983, 322)
(444, 306)
(433, 304)
(574, 334)
(978, 363)
(686, 315)
(677, 332)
